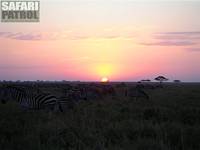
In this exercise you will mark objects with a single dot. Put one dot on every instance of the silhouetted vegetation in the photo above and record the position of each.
(161, 79)
(146, 80)
(169, 120)
(177, 81)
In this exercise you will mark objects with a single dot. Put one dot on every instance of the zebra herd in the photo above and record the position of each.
(34, 99)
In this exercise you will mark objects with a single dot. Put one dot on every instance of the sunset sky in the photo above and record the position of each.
(123, 40)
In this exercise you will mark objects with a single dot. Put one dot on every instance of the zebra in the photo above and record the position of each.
(30, 100)
(67, 103)
(71, 98)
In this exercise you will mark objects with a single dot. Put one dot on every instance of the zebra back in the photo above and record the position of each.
(30, 100)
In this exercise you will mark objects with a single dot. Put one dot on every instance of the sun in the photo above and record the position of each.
(104, 79)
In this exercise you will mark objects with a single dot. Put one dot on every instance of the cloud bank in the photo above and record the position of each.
(173, 39)
(69, 35)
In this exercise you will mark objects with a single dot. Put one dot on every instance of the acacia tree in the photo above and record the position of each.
(161, 79)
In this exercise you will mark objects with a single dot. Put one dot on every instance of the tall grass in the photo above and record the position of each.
(169, 121)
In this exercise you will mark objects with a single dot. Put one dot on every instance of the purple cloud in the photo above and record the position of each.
(193, 49)
(178, 35)
(28, 37)
(59, 35)
(21, 36)
(168, 43)
(174, 39)
(181, 33)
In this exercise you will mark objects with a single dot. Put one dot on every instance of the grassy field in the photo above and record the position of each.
(170, 120)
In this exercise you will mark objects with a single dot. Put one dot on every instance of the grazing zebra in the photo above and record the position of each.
(67, 103)
(30, 100)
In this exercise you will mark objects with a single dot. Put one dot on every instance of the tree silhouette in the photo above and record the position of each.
(161, 79)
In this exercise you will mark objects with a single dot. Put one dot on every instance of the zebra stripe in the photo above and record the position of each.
(29, 100)
(67, 103)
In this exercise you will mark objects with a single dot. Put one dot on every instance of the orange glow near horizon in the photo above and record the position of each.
(104, 79)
